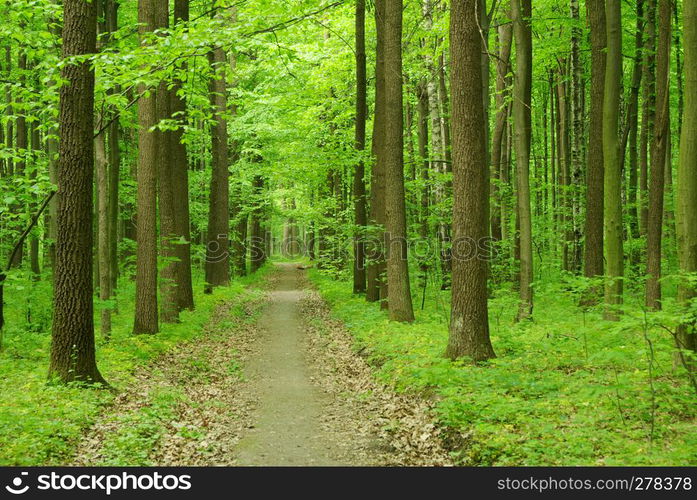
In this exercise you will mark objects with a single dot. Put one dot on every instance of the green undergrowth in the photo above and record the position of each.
(40, 423)
(566, 389)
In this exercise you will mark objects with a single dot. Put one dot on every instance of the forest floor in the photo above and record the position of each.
(278, 384)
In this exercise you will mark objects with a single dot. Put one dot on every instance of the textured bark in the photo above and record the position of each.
(469, 324)
(375, 274)
(648, 111)
(391, 155)
(180, 184)
(611, 160)
(686, 195)
(661, 137)
(72, 345)
(146, 312)
(360, 215)
(217, 247)
(593, 249)
(521, 11)
(505, 37)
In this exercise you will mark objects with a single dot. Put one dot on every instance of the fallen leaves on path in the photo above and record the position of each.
(400, 425)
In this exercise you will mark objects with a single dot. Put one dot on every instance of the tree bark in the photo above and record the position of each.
(469, 323)
(360, 216)
(661, 137)
(611, 160)
(72, 346)
(375, 275)
(521, 11)
(593, 249)
(391, 155)
(217, 248)
(146, 311)
(686, 195)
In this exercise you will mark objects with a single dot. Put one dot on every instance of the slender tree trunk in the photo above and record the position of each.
(376, 284)
(577, 113)
(505, 36)
(422, 134)
(633, 125)
(647, 115)
(521, 11)
(659, 148)
(103, 247)
(146, 312)
(360, 216)
(391, 156)
(469, 323)
(180, 184)
(256, 239)
(72, 346)
(686, 212)
(593, 250)
(611, 159)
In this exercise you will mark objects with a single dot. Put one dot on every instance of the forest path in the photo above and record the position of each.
(288, 429)
(274, 379)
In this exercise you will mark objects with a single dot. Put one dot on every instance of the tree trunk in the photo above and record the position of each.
(72, 346)
(391, 156)
(633, 125)
(661, 137)
(103, 247)
(146, 312)
(576, 139)
(256, 239)
(521, 11)
(376, 283)
(360, 216)
(647, 114)
(593, 250)
(611, 160)
(686, 212)
(217, 247)
(505, 36)
(180, 184)
(469, 323)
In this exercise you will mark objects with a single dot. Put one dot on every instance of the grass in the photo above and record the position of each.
(566, 389)
(41, 423)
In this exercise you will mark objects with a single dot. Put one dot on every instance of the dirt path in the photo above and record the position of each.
(273, 380)
(288, 429)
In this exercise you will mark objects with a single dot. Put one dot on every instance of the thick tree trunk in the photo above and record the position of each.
(72, 346)
(217, 247)
(146, 312)
(469, 323)
(611, 159)
(659, 148)
(521, 11)
(593, 249)
(360, 216)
